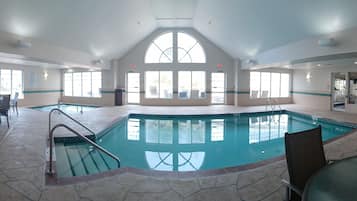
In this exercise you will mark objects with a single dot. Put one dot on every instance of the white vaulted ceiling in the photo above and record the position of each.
(109, 28)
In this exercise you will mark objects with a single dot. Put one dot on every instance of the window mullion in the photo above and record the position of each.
(11, 82)
(260, 86)
(91, 84)
(280, 85)
(191, 86)
(270, 74)
(159, 78)
(72, 94)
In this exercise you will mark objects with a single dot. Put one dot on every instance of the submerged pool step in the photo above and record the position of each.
(78, 160)
(63, 167)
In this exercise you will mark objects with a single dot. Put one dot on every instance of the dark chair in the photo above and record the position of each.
(4, 107)
(304, 156)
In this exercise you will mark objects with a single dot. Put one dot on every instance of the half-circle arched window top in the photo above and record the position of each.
(160, 50)
(189, 49)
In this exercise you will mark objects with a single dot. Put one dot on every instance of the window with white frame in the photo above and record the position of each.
(158, 84)
(189, 49)
(269, 85)
(161, 49)
(11, 82)
(83, 84)
(217, 88)
(191, 84)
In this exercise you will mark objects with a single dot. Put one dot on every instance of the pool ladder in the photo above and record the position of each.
(272, 103)
(51, 133)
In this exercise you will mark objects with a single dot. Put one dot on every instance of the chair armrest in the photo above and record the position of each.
(292, 187)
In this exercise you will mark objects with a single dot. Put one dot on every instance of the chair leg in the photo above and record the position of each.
(287, 194)
(7, 118)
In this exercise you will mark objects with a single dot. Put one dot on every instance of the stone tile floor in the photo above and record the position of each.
(22, 163)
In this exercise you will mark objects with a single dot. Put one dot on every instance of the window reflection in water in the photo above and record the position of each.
(133, 129)
(159, 131)
(164, 161)
(159, 160)
(217, 130)
(267, 128)
(191, 132)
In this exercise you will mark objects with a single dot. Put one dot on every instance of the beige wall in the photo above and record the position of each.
(245, 100)
(39, 99)
(175, 101)
(107, 99)
(313, 101)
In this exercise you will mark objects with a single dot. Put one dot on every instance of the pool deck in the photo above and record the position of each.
(22, 162)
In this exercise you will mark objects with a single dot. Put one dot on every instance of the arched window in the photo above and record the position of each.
(189, 49)
(160, 50)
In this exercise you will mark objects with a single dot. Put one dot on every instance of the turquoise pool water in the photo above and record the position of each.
(189, 143)
(69, 108)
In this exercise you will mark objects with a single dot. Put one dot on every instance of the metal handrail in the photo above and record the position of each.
(82, 137)
(68, 116)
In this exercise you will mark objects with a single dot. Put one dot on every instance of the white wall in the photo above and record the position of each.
(214, 56)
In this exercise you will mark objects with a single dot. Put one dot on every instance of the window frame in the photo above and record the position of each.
(175, 49)
(133, 92)
(259, 96)
(81, 87)
(224, 88)
(191, 88)
(159, 84)
(21, 94)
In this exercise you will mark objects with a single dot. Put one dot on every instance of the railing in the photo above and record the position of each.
(68, 116)
(272, 103)
(82, 137)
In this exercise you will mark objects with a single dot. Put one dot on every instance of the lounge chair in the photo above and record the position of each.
(4, 107)
(304, 156)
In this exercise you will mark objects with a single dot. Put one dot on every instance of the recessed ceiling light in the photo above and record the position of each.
(318, 65)
(355, 62)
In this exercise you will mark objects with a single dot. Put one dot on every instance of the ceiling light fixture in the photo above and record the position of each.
(98, 62)
(318, 65)
(327, 42)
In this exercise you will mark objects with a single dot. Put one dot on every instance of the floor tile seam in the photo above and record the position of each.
(271, 193)
(21, 193)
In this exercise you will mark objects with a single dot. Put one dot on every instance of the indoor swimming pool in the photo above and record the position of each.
(189, 143)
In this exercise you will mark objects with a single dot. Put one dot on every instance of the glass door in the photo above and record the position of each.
(133, 87)
(217, 88)
(339, 92)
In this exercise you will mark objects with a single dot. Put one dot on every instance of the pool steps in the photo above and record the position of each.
(73, 160)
